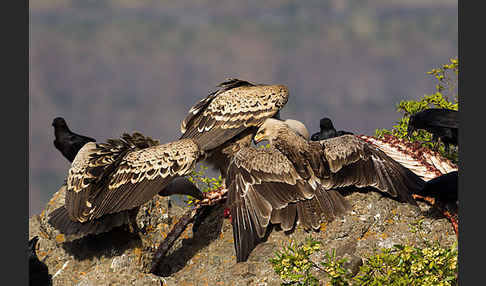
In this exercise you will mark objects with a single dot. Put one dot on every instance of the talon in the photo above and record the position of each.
(453, 220)
(430, 200)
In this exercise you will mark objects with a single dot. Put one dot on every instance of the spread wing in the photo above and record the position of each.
(228, 111)
(264, 188)
(424, 162)
(352, 161)
(116, 178)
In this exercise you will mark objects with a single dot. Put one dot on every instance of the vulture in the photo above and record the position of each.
(38, 271)
(263, 185)
(327, 130)
(442, 123)
(108, 182)
(67, 142)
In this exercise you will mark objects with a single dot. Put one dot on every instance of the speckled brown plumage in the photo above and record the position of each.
(234, 107)
(107, 181)
(264, 187)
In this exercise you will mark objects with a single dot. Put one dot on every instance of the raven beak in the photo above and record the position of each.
(410, 130)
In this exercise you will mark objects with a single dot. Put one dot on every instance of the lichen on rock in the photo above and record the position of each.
(207, 257)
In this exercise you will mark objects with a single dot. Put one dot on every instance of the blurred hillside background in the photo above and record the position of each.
(117, 66)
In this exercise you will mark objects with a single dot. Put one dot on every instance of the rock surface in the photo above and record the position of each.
(207, 257)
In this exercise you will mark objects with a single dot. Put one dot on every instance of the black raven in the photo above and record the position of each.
(67, 142)
(442, 123)
(443, 192)
(443, 187)
(38, 272)
(327, 131)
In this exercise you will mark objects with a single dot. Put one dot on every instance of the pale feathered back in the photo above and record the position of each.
(298, 127)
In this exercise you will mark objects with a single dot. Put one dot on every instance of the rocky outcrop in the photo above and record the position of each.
(207, 257)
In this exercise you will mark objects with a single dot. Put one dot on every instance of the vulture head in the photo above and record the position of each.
(270, 129)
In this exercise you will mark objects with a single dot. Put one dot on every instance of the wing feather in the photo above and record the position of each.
(285, 217)
(341, 151)
(128, 179)
(228, 111)
(355, 162)
(424, 162)
(264, 187)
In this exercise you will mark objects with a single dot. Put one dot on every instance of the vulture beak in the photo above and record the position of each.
(258, 138)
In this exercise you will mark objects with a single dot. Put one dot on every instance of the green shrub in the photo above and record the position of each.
(335, 270)
(204, 183)
(293, 265)
(399, 265)
(409, 265)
